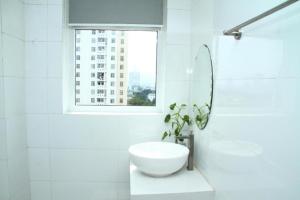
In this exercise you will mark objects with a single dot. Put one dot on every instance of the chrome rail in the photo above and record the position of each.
(235, 31)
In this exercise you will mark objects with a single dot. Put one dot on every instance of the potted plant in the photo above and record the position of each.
(179, 121)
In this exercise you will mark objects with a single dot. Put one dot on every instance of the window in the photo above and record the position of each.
(101, 65)
(133, 52)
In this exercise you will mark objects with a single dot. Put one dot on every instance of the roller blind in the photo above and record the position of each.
(116, 12)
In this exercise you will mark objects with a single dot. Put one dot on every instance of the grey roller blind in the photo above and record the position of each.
(116, 12)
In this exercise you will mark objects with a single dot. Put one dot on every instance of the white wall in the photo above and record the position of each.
(14, 178)
(250, 149)
(75, 157)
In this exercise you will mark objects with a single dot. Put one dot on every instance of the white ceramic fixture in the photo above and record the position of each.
(158, 158)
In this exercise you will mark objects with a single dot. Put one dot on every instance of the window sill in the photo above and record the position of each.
(115, 113)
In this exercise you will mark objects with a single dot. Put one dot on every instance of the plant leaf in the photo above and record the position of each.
(172, 106)
(165, 134)
(177, 132)
(167, 118)
(186, 118)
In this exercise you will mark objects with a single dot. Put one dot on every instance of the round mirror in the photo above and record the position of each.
(202, 85)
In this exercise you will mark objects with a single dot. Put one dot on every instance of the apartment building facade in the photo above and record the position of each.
(101, 67)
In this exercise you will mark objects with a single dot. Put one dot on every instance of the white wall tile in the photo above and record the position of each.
(40, 190)
(35, 56)
(19, 187)
(84, 165)
(123, 191)
(39, 164)
(55, 2)
(178, 26)
(13, 17)
(54, 59)
(36, 2)
(14, 96)
(4, 192)
(264, 61)
(84, 190)
(1, 50)
(2, 99)
(3, 152)
(36, 96)
(54, 97)
(13, 56)
(16, 136)
(231, 96)
(179, 4)
(176, 91)
(35, 26)
(54, 23)
(178, 62)
(123, 166)
(37, 130)
(85, 131)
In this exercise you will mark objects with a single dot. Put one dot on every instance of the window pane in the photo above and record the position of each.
(134, 80)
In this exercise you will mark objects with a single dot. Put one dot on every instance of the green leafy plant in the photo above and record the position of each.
(179, 120)
(201, 115)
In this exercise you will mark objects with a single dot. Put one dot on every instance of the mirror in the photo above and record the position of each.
(202, 85)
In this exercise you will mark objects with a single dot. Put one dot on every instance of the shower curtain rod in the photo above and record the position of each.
(235, 31)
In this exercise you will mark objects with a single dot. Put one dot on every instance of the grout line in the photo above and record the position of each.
(76, 149)
(13, 36)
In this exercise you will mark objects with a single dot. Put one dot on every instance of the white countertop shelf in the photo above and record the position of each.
(183, 185)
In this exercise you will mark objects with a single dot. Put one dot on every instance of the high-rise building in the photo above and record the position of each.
(101, 67)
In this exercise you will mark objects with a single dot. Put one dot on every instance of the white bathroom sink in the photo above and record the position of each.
(158, 158)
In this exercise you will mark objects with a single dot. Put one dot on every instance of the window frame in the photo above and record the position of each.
(70, 71)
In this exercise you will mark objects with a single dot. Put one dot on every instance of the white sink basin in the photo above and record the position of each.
(158, 158)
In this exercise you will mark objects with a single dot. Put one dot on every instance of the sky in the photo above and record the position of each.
(142, 55)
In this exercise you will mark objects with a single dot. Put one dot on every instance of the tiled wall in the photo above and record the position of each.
(76, 157)
(14, 176)
(250, 148)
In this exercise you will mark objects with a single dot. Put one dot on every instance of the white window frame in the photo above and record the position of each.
(69, 76)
